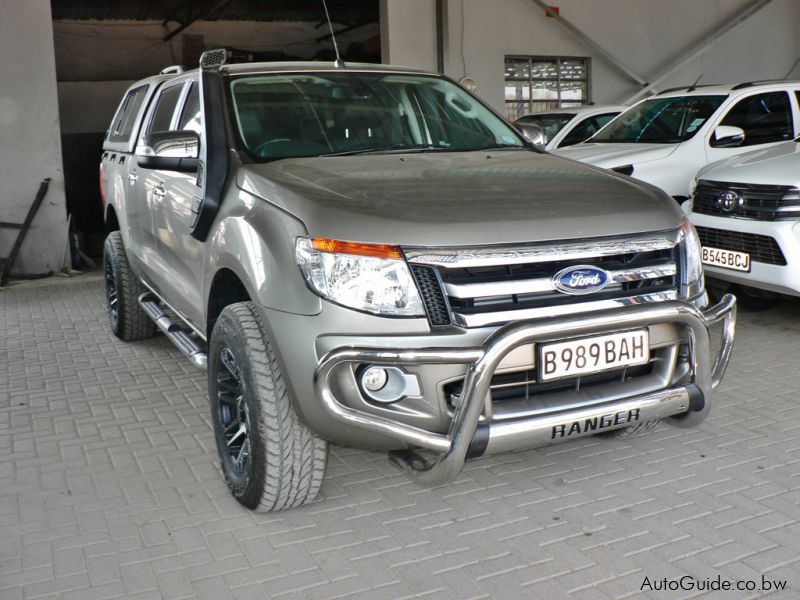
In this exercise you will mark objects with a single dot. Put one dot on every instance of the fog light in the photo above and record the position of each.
(387, 384)
(374, 379)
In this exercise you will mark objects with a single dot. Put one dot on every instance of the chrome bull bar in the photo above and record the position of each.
(688, 404)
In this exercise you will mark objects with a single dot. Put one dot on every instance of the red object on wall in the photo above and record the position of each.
(555, 9)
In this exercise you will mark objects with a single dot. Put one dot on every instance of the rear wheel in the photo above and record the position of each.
(128, 320)
(270, 459)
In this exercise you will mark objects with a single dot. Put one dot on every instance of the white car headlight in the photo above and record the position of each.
(369, 277)
(692, 279)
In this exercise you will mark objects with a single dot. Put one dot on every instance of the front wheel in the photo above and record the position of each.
(756, 300)
(270, 459)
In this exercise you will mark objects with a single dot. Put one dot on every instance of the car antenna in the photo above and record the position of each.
(338, 63)
(693, 87)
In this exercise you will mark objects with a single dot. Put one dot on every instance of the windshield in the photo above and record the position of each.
(661, 120)
(551, 124)
(313, 114)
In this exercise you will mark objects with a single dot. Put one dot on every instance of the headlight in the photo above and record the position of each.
(370, 277)
(692, 280)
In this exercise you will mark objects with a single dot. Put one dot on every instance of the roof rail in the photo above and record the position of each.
(688, 88)
(748, 84)
(177, 69)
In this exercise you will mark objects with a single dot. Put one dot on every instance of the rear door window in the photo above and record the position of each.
(125, 119)
(165, 107)
(764, 118)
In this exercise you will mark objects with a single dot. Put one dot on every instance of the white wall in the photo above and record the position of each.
(408, 33)
(30, 147)
(644, 34)
(89, 106)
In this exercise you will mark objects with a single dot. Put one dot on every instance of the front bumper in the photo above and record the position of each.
(782, 279)
(689, 402)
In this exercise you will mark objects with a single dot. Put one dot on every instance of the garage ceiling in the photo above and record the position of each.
(342, 11)
(106, 40)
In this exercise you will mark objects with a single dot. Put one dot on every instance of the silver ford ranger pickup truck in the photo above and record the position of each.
(370, 256)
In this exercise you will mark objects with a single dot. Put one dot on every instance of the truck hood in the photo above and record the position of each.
(776, 165)
(617, 155)
(454, 199)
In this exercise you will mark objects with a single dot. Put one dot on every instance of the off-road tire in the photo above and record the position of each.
(716, 289)
(286, 459)
(632, 430)
(128, 320)
(755, 300)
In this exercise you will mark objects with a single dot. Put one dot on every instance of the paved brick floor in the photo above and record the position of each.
(109, 487)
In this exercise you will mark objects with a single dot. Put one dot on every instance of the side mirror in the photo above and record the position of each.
(727, 136)
(169, 151)
(534, 134)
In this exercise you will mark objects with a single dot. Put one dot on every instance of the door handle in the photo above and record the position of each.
(132, 178)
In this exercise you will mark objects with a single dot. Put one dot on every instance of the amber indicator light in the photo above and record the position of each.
(359, 249)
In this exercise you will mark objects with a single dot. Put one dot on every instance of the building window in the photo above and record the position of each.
(535, 83)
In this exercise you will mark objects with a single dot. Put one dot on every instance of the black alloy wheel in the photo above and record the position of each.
(128, 319)
(112, 294)
(233, 416)
(270, 459)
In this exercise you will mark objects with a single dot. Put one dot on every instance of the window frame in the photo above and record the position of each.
(699, 131)
(793, 117)
(557, 59)
(183, 102)
(245, 154)
(177, 109)
(595, 116)
(129, 145)
(114, 134)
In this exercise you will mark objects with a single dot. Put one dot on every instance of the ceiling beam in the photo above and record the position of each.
(197, 16)
(697, 49)
(344, 30)
(588, 41)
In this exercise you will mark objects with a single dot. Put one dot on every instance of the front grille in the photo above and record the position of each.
(523, 385)
(761, 248)
(504, 288)
(751, 201)
(519, 394)
(456, 280)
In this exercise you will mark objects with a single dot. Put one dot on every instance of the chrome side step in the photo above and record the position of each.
(177, 335)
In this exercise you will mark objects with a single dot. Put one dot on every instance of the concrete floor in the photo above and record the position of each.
(110, 488)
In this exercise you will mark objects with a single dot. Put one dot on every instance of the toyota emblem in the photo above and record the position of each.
(729, 201)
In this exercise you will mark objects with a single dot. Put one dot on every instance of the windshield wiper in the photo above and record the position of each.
(500, 147)
(401, 148)
(617, 141)
(396, 148)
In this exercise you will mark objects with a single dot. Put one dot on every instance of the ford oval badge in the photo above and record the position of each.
(581, 279)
